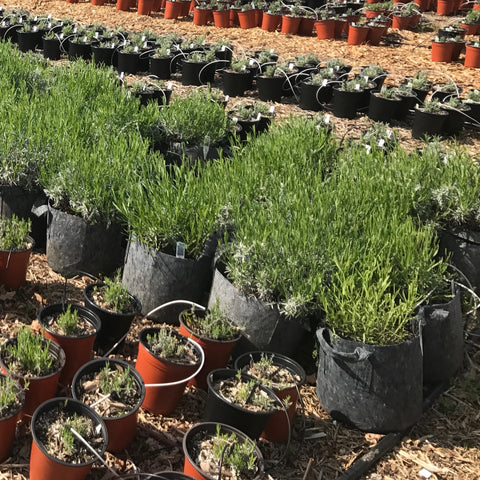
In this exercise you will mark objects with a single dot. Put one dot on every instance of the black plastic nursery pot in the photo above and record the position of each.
(455, 121)
(44, 466)
(220, 410)
(407, 103)
(382, 109)
(197, 73)
(370, 387)
(442, 339)
(113, 325)
(74, 245)
(270, 89)
(199, 432)
(28, 41)
(103, 55)
(78, 50)
(345, 104)
(160, 67)
(235, 83)
(314, 97)
(51, 48)
(128, 62)
(428, 123)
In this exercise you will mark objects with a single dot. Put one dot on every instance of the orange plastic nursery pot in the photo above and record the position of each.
(472, 56)
(401, 23)
(173, 9)
(185, 8)
(247, 19)
(217, 352)
(8, 424)
(78, 349)
(357, 34)
(98, 3)
(201, 16)
(325, 29)
(145, 7)
(43, 465)
(270, 22)
(221, 18)
(375, 34)
(445, 7)
(121, 429)
(290, 24)
(123, 5)
(14, 265)
(471, 28)
(165, 381)
(306, 27)
(442, 51)
(39, 388)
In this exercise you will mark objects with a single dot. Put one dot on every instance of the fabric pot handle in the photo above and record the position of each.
(358, 355)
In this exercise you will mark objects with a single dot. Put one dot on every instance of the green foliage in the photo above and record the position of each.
(239, 456)
(474, 96)
(31, 353)
(116, 379)
(9, 394)
(166, 344)
(116, 295)
(14, 233)
(213, 324)
(247, 394)
(68, 321)
(432, 106)
(68, 441)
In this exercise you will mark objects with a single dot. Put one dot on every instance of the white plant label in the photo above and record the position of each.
(223, 48)
(389, 133)
(180, 253)
(366, 78)
(357, 86)
(368, 149)
(227, 98)
(272, 109)
(381, 142)
(291, 66)
(324, 82)
(168, 51)
(327, 118)
(234, 119)
(251, 62)
(425, 473)
(259, 116)
(169, 85)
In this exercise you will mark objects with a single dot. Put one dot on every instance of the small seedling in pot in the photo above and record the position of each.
(68, 321)
(14, 233)
(115, 295)
(116, 380)
(166, 344)
(9, 396)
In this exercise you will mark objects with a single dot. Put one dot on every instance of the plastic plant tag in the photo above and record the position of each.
(234, 119)
(49, 16)
(366, 78)
(291, 66)
(227, 98)
(251, 62)
(353, 24)
(381, 142)
(35, 18)
(75, 30)
(223, 48)
(135, 49)
(168, 51)
(96, 34)
(357, 86)
(20, 20)
(424, 473)
(169, 85)
(180, 253)
(368, 149)
(272, 109)
(259, 116)
(122, 76)
(244, 67)
(327, 118)
(324, 82)
(272, 50)
(143, 38)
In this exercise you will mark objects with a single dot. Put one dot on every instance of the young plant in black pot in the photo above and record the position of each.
(198, 68)
(115, 390)
(270, 83)
(383, 104)
(239, 400)
(349, 97)
(236, 78)
(115, 307)
(429, 119)
(316, 91)
(214, 450)
(473, 101)
(458, 113)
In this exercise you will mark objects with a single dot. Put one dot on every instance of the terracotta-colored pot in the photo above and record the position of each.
(217, 353)
(234, 17)
(472, 56)
(173, 9)
(423, 5)
(184, 8)
(201, 16)
(123, 5)
(476, 6)
(258, 17)
(401, 23)
(271, 22)
(98, 3)
(306, 27)
(121, 429)
(341, 26)
(357, 34)
(39, 388)
(442, 51)
(373, 13)
(8, 426)
(44, 466)
(247, 19)
(325, 29)
(290, 24)
(161, 399)
(13, 267)
(145, 7)
(471, 28)
(221, 18)
(78, 349)
(445, 7)
(375, 34)
(414, 21)
(457, 50)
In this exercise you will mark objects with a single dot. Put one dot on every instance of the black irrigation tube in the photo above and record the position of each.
(366, 461)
